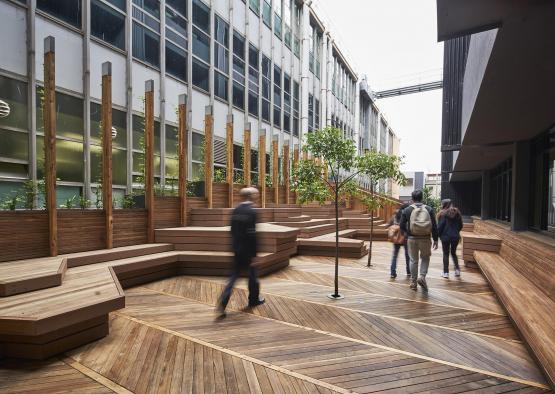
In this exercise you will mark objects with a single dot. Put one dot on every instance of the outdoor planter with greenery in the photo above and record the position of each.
(343, 167)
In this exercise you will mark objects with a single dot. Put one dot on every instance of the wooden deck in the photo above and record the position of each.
(382, 337)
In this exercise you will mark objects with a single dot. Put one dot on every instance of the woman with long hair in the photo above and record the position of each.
(450, 224)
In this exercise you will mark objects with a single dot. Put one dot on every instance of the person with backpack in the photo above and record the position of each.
(449, 227)
(398, 238)
(418, 221)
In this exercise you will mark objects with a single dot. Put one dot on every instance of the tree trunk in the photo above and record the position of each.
(336, 294)
(371, 237)
(371, 227)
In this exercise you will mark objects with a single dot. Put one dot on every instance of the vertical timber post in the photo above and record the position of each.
(229, 159)
(183, 139)
(285, 171)
(295, 162)
(149, 158)
(262, 166)
(247, 154)
(208, 154)
(49, 111)
(107, 152)
(275, 168)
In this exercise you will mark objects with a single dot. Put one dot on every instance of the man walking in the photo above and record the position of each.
(243, 236)
(418, 221)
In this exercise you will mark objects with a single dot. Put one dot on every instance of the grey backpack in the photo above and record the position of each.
(420, 221)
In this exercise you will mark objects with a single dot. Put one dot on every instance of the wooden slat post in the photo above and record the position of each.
(49, 111)
(285, 171)
(229, 157)
(247, 154)
(208, 154)
(262, 166)
(149, 158)
(275, 168)
(305, 155)
(107, 152)
(296, 154)
(183, 139)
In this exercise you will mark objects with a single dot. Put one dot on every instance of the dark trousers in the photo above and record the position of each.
(450, 247)
(241, 264)
(396, 248)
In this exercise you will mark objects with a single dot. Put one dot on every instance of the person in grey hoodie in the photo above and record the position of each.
(449, 227)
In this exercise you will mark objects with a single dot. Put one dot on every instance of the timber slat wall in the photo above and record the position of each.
(129, 227)
(167, 212)
(23, 235)
(530, 256)
(81, 230)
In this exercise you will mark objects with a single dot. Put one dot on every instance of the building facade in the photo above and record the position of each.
(498, 131)
(272, 65)
(415, 180)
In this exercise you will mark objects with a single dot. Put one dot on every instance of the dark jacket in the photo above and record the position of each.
(405, 221)
(243, 232)
(450, 224)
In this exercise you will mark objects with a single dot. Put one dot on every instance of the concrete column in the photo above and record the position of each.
(356, 110)
(86, 61)
(32, 91)
(324, 81)
(305, 25)
(486, 190)
(520, 193)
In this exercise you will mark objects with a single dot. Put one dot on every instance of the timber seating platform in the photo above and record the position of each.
(324, 245)
(532, 312)
(478, 242)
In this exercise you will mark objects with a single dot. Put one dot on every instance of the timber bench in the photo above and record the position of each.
(472, 242)
(324, 245)
(522, 274)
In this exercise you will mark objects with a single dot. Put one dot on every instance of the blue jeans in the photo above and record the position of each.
(396, 248)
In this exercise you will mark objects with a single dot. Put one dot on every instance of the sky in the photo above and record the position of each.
(394, 42)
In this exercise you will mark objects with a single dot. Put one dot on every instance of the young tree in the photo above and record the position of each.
(379, 167)
(338, 159)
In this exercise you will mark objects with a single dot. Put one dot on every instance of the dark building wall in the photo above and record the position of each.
(465, 195)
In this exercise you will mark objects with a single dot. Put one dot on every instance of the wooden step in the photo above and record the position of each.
(532, 312)
(478, 242)
(23, 276)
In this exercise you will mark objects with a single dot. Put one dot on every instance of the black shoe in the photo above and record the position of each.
(393, 276)
(220, 312)
(260, 301)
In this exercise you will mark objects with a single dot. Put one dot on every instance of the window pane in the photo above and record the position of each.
(14, 145)
(267, 14)
(14, 93)
(107, 24)
(176, 61)
(146, 45)
(119, 165)
(69, 115)
(67, 10)
(118, 3)
(255, 6)
(138, 132)
(200, 75)
(221, 58)
(253, 103)
(201, 45)
(238, 45)
(253, 57)
(197, 141)
(277, 117)
(119, 123)
(172, 170)
(150, 6)
(266, 110)
(221, 31)
(69, 160)
(220, 86)
(176, 22)
(238, 95)
(178, 5)
(201, 15)
(171, 141)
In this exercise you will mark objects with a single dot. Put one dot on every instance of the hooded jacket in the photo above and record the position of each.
(450, 224)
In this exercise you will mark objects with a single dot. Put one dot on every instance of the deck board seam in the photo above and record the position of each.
(99, 378)
(383, 347)
(234, 353)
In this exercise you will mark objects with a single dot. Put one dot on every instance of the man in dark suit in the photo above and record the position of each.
(243, 236)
